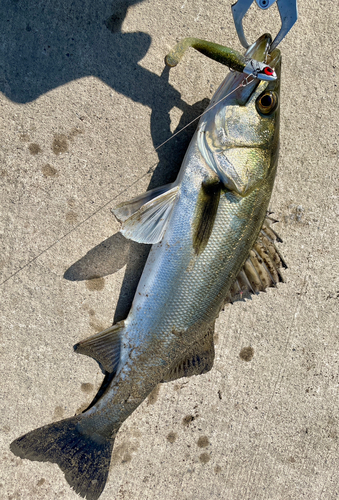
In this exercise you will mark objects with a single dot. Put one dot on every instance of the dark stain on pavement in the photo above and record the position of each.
(16, 496)
(87, 387)
(186, 421)
(123, 452)
(48, 170)
(71, 217)
(34, 149)
(58, 412)
(98, 327)
(171, 437)
(60, 144)
(246, 353)
(74, 132)
(153, 396)
(203, 442)
(204, 458)
(71, 202)
(95, 284)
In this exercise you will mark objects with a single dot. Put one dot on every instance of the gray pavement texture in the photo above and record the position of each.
(85, 99)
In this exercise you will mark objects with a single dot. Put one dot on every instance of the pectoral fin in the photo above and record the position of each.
(198, 359)
(261, 270)
(104, 347)
(206, 211)
(145, 217)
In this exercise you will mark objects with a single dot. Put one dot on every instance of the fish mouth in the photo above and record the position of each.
(236, 91)
(260, 50)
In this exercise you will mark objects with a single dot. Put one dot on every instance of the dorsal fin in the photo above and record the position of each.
(198, 359)
(262, 268)
(104, 347)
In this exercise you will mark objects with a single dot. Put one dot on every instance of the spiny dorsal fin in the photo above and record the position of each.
(104, 347)
(198, 359)
(262, 268)
(145, 217)
(206, 211)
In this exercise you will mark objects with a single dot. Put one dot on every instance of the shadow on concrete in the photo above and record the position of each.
(45, 44)
(107, 258)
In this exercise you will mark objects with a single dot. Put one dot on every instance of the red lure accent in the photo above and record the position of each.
(268, 71)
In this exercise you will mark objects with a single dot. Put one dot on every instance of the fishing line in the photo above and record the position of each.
(244, 83)
(73, 229)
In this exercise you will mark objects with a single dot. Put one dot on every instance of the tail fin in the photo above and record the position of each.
(83, 459)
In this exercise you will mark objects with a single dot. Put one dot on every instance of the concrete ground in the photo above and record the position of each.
(85, 99)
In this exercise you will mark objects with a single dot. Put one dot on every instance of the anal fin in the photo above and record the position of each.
(104, 347)
(198, 359)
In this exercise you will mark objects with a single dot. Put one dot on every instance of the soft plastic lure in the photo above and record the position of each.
(224, 55)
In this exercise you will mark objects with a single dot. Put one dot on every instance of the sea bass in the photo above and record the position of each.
(211, 245)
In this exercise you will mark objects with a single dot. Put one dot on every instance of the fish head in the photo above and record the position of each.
(239, 137)
(252, 117)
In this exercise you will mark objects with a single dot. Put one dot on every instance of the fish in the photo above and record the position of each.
(212, 244)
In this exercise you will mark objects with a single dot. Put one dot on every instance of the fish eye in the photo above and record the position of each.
(267, 103)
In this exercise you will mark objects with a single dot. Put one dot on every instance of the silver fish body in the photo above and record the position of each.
(180, 293)
(229, 168)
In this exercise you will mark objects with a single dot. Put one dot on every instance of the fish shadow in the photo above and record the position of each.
(107, 258)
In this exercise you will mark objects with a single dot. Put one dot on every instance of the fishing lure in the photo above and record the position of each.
(224, 55)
